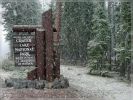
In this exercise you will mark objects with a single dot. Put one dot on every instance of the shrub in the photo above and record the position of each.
(7, 65)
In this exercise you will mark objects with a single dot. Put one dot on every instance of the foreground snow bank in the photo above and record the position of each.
(99, 87)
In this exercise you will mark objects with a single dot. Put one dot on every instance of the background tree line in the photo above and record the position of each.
(98, 34)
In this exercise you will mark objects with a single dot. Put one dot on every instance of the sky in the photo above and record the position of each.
(4, 47)
(45, 3)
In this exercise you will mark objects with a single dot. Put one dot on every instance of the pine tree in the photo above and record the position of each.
(124, 43)
(98, 46)
(76, 29)
(20, 13)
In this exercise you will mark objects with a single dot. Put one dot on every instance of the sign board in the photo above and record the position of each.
(24, 49)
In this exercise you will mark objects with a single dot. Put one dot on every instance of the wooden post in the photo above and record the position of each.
(56, 48)
(47, 25)
(40, 54)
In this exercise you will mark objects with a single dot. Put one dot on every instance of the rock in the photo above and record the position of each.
(19, 84)
(113, 74)
(31, 84)
(104, 73)
(56, 84)
(49, 85)
(40, 84)
(60, 83)
(65, 83)
(95, 72)
(9, 83)
(37, 84)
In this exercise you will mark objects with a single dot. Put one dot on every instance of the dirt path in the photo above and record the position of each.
(97, 88)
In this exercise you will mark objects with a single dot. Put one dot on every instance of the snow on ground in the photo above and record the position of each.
(5, 75)
(90, 87)
(99, 87)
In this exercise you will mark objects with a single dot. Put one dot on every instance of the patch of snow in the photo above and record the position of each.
(94, 86)
(5, 75)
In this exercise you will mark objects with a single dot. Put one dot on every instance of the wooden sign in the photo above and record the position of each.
(38, 49)
(24, 49)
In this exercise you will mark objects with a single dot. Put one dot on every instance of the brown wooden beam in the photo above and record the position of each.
(27, 28)
(32, 75)
(40, 54)
(47, 24)
(57, 40)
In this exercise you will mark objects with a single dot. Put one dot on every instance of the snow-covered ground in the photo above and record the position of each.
(91, 87)
(4, 75)
(97, 88)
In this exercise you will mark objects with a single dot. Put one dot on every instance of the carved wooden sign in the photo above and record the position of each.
(24, 49)
(37, 49)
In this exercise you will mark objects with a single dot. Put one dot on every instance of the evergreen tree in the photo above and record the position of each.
(76, 29)
(99, 45)
(20, 13)
(123, 47)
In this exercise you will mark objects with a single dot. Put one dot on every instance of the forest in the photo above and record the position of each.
(98, 34)
(93, 34)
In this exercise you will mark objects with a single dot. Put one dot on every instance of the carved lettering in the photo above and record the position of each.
(24, 50)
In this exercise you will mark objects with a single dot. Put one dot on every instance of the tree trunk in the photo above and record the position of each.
(122, 69)
(129, 72)
(112, 31)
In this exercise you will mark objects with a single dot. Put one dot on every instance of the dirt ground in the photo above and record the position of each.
(26, 94)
